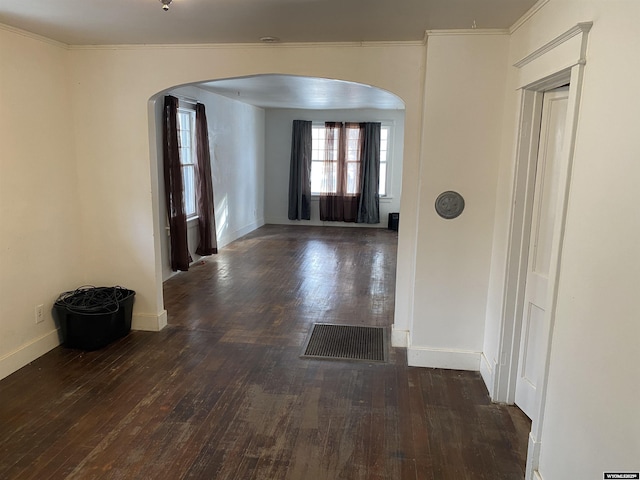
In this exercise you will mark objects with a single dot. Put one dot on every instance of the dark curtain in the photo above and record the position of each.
(300, 171)
(208, 243)
(340, 198)
(369, 207)
(173, 187)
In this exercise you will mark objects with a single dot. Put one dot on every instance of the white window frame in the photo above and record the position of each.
(389, 126)
(188, 159)
(318, 151)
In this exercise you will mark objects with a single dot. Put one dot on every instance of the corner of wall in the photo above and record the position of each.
(399, 338)
(488, 374)
(149, 322)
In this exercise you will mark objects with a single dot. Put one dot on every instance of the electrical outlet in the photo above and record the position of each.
(39, 313)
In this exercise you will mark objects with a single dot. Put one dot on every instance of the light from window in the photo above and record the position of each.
(324, 175)
(186, 122)
(318, 173)
(352, 160)
(384, 151)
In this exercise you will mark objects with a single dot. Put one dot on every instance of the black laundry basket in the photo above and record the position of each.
(92, 317)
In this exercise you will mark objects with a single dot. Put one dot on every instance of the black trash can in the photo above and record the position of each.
(394, 220)
(92, 317)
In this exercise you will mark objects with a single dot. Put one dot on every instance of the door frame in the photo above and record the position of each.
(535, 136)
(559, 62)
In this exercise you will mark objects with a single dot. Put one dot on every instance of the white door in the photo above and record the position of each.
(545, 202)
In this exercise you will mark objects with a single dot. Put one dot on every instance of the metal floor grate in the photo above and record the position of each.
(346, 342)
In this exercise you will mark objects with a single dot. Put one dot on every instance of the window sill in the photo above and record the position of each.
(315, 198)
(191, 221)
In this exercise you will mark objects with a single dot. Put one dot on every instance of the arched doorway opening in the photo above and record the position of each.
(249, 135)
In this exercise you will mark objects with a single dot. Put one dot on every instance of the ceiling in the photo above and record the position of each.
(126, 22)
(113, 22)
(289, 91)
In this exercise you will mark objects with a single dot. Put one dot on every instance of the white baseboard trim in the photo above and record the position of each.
(487, 373)
(399, 338)
(28, 352)
(241, 232)
(149, 322)
(449, 359)
(533, 459)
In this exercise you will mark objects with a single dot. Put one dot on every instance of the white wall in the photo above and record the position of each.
(591, 418)
(278, 148)
(464, 91)
(41, 251)
(237, 146)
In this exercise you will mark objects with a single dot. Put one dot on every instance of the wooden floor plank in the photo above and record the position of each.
(222, 392)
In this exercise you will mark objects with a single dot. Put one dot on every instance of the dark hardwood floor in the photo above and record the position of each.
(222, 393)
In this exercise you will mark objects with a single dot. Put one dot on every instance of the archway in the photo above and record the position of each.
(243, 109)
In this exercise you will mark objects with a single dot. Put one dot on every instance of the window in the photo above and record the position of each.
(186, 122)
(385, 134)
(318, 145)
(320, 172)
(352, 158)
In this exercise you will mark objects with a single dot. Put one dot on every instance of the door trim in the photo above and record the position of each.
(555, 64)
(543, 168)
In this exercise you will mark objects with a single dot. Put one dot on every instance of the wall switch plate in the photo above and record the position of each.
(39, 313)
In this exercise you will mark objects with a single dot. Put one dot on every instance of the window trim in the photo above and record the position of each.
(390, 125)
(189, 109)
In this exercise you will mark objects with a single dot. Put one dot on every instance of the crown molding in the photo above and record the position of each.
(34, 36)
(224, 46)
(530, 13)
(466, 31)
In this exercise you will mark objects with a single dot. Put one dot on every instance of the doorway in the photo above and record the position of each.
(517, 309)
(544, 206)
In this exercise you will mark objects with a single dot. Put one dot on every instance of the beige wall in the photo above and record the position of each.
(467, 79)
(82, 206)
(94, 209)
(40, 249)
(591, 418)
(120, 237)
(594, 380)
(465, 84)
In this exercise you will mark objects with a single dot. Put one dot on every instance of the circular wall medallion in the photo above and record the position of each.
(449, 204)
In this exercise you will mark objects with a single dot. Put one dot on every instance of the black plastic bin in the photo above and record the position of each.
(92, 317)
(394, 220)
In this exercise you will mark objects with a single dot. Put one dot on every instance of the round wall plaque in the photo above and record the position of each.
(449, 204)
